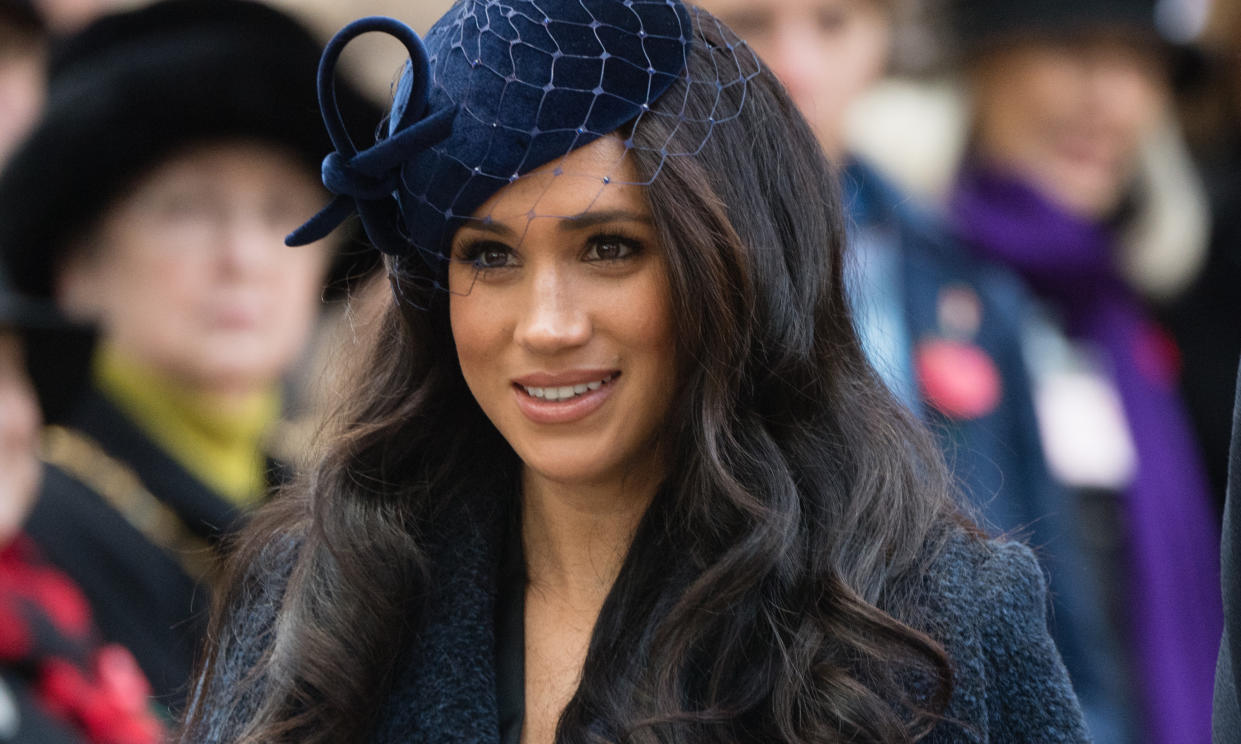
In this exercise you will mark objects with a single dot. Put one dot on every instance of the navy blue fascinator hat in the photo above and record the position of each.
(499, 89)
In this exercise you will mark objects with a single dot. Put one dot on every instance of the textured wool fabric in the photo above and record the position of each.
(986, 604)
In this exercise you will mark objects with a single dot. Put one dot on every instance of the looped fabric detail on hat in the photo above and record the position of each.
(367, 181)
(499, 89)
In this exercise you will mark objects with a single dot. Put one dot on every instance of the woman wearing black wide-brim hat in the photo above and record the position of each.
(1065, 95)
(177, 148)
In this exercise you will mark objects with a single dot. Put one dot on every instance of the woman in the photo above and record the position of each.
(157, 209)
(1063, 100)
(618, 469)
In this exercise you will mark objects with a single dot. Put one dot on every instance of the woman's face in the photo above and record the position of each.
(19, 438)
(189, 275)
(1070, 116)
(826, 52)
(560, 314)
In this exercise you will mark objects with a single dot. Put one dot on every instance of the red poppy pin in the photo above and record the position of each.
(957, 378)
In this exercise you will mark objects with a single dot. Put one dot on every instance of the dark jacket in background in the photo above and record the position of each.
(148, 585)
(1203, 319)
(997, 453)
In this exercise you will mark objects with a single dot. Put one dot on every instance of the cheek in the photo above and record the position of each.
(475, 334)
(1140, 101)
(652, 329)
(19, 416)
(152, 277)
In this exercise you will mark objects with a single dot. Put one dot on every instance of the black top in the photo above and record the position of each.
(511, 637)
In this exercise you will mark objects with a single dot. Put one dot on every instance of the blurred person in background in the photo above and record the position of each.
(66, 17)
(1204, 317)
(23, 41)
(179, 146)
(942, 328)
(1063, 95)
(59, 683)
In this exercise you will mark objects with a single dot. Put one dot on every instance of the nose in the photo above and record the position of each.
(246, 244)
(553, 318)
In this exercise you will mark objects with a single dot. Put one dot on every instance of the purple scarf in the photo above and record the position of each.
(1174, 593)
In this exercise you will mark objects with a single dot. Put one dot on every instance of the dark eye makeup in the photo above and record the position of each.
(608, 246)
(484, 254)
(612, 246)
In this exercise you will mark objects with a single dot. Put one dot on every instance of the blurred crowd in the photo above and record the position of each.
(1044, 219)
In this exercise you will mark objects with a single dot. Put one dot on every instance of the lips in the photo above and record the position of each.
(565, 397)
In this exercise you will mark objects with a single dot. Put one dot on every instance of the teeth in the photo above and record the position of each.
(567, 391)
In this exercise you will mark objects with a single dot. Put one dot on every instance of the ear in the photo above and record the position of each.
(78, 284)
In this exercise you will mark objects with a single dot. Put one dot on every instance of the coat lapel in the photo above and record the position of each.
(445, 688)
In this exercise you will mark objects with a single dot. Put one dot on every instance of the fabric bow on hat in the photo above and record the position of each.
(500, 88)
(366, 182)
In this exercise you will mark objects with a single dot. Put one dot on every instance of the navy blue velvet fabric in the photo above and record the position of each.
(513, 85)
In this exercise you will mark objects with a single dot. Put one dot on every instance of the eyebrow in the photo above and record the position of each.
(582, 221)
(592, 219)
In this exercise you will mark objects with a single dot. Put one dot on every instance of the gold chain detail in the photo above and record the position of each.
(83, 459)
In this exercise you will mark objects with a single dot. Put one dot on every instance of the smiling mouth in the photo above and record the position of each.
(567, 392)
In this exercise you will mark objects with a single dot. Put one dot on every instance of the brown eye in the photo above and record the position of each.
(492, 258)
(611, 248)
(486, 255)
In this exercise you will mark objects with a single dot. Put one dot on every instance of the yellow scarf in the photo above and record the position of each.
(221, 445)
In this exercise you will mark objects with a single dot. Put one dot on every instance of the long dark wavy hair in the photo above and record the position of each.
(771, 592)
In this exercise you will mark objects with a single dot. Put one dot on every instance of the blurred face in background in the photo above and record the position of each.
(188, 273)
(1069, 116)
(22, 83)
(826, 52)
(19, 438)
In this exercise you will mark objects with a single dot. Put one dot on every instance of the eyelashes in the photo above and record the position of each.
(607, 247)
(484, 254)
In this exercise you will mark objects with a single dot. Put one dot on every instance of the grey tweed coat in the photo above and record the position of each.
(988, 608)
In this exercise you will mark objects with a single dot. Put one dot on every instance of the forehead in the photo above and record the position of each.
(598, 176)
